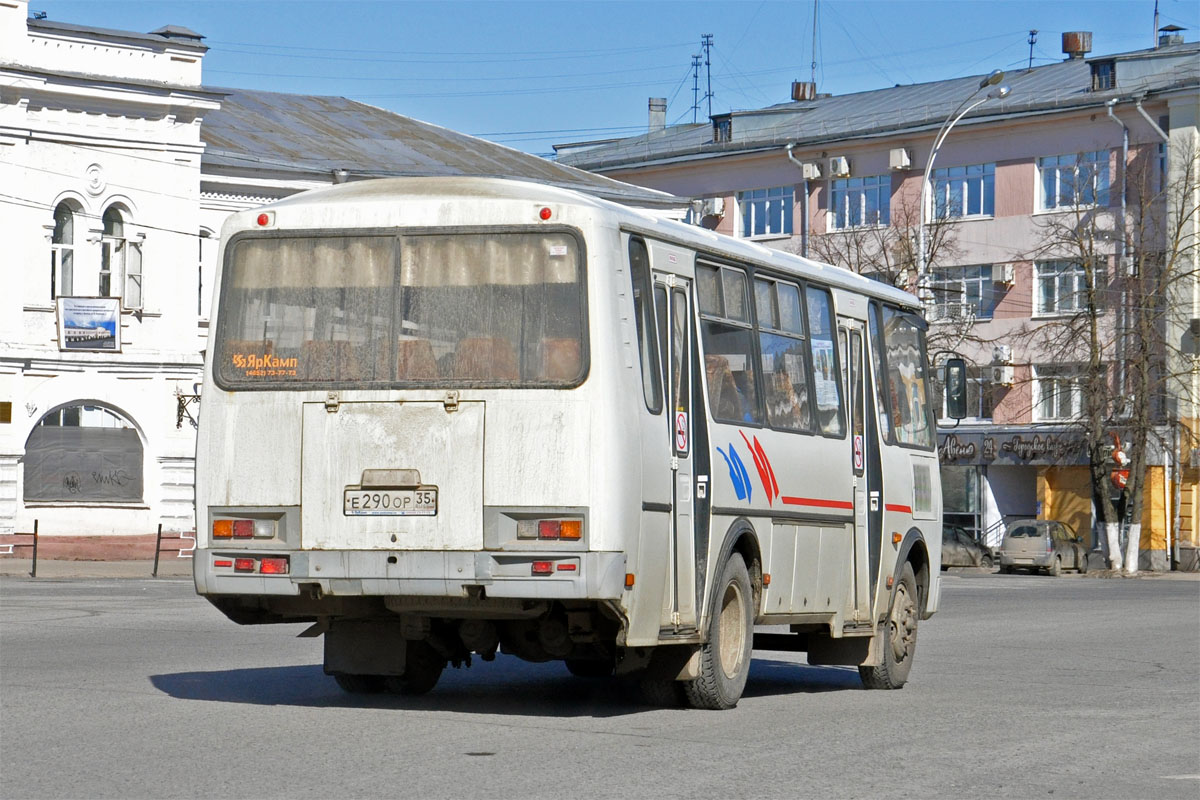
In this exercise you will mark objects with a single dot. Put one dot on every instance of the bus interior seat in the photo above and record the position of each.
(783, 406)
(414, 360)
(486, 359)
(560, 359)
(722, 391)
(321, 360)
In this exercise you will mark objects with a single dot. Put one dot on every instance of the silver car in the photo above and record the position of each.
(1040, 544)
(959, 549)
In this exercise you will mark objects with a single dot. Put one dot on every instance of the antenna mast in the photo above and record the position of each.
(813, 76)
(706, 42)
(1032, 41)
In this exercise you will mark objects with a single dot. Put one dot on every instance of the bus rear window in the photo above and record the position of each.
(502, 309)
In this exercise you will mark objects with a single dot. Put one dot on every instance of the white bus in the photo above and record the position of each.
(451, 416)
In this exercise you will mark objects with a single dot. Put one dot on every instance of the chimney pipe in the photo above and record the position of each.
(1076, 44)
(804, 90)
(658, 113)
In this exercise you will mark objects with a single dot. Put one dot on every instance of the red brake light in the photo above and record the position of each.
(243, 565)
(243, 528)
(542, 568)
(223, 562)
(567, 567)
(273, 566)
(549, 529)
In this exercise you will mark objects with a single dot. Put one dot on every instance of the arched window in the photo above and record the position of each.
(120, 261)
(62, 252)
(83, 453)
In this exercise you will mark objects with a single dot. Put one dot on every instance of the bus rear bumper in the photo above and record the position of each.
(381, 573)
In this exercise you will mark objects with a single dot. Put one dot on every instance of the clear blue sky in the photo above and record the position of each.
(530, 74)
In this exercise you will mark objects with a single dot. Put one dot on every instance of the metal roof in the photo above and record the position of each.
(306, 136)
(881, 112)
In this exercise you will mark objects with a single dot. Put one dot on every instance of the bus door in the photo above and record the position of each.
(863, 461)
(672, 301)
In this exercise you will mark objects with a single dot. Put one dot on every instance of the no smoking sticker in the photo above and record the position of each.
(681, 431)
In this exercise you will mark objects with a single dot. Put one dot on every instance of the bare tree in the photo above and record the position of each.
(1128, 261)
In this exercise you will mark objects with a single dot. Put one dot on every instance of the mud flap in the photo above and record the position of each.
(862, 651)
(364, 647)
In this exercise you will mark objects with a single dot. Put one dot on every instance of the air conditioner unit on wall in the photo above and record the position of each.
(811, 171)
(1007, 274)
(1002, 354)
(898, 158)
(1002, 376)
(839, 167)
(713, 207)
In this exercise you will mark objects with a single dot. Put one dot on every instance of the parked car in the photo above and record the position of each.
(1040, 544)
(959, 549)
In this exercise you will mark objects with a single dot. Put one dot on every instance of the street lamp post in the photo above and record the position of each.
(963, 109)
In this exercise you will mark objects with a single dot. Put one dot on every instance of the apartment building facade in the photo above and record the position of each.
(1042, 162)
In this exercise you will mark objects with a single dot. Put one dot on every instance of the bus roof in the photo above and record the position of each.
(703, 240)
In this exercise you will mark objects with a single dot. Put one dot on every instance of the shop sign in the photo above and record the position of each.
(1041, 449)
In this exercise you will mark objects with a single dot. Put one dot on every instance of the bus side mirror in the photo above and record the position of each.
(956, 388)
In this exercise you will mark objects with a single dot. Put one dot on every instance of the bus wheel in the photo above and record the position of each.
(422, 667)
(725, 656)
(900, 632)
(360, 684)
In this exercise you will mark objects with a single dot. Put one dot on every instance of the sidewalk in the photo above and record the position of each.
(170, 566)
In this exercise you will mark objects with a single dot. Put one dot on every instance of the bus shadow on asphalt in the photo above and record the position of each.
(507, 687)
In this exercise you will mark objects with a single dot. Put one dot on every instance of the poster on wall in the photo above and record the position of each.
(89, 323)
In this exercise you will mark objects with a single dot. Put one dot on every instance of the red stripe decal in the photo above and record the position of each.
(812, 501)
(900, 509)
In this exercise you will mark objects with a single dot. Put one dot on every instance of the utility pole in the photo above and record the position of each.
(695, 88)
(813, 76)
(1032, 41)
(706, 42)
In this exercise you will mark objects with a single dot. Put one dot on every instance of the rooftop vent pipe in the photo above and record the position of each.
(1077, 44)
(658, 113)
(804, 90)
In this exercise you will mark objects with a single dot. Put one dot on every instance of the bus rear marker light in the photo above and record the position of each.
(570, 529)
(545, 213)
(273, 566)
(243, 565)
(222, 529)
(542, 568)
(896, 538)
(628, 580)
(567, 567)
(243, 528)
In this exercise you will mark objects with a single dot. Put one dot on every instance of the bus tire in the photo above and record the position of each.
(900, 637)
(423, 666)
(360, 684)
(725, 656)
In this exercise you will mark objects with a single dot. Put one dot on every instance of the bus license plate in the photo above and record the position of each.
(390, 503)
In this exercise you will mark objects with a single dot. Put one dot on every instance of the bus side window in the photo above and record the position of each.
(826, 375)
(643, 315)
(728, 343)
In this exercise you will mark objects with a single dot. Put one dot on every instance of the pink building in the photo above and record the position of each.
(839, 179)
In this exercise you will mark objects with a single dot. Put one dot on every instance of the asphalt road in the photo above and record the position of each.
(1023, 686)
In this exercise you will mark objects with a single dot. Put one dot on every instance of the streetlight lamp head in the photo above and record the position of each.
(999, 93)
(993, 78)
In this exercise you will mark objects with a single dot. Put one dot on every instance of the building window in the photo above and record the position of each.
(83, 453)
(120, 261)
(860, 201)
(964, 191)
(1058, 392)
(62, 252)
(981, 394)
(1104, 75)
(1069, 181)
(1062, 287)
(766, 212)
(963, 293)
